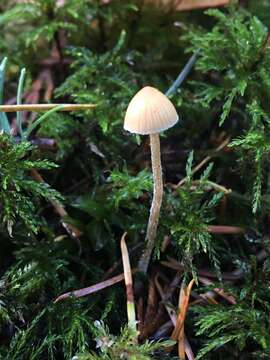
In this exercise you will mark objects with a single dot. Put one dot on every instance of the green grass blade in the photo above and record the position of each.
(4, 124)
(40, 119)
(19, 100)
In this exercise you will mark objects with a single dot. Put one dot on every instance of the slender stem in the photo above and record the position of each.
(156, 202)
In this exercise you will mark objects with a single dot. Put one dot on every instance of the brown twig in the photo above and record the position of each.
(45, 107)
(200, 4)
(60, 210)
(184, 5)
(232, 276)
(154, 316)
(213, 229)
(224, 229)
(43, 143)
(203, 162)
(231, 299)
(213, 185)
(164, 297)
(208, 297)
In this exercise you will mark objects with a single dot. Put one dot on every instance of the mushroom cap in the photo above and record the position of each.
(150, 112)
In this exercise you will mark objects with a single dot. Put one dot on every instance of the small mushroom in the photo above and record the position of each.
(149, 113)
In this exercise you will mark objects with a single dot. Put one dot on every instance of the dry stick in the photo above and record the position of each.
(203, 162)
(199, 4)
(208, 297)
(131, 314)
(154, 313)
(233, 276)
(43, 143)
(174, 264)
(171, 312)
(45, 107)
(164, 298)
(224, 229)
(178, 332)
(230, 298)
(72, 230)
(213, 185)
(91, 289)
(151, 303)
(156, 202)
(162, 331)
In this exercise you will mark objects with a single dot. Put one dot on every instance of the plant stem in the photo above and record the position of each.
(156, 202)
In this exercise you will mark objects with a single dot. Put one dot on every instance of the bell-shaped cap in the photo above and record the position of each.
(150, 112)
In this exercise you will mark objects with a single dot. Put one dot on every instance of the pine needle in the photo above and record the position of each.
(45, 107)
(178, 333)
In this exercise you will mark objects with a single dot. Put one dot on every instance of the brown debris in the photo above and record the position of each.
(231, 299)
(199, 4)
(184, 5)
(91, 289)
(178, 332)
(60, 210)
(204, 162)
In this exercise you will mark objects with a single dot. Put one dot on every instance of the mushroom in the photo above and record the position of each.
(149, 113)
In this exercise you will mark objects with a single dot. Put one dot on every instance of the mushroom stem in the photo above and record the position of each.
(156, 202)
